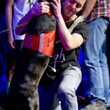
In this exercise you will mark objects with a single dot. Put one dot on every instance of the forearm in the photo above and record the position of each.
(37, 9)
(88, 7)
(25, 20)
(69, 41)
(64, 34)
(8, 12)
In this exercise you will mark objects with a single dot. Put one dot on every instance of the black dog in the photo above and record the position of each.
(23, 92)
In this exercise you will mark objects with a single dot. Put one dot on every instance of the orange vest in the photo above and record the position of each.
(43, 43)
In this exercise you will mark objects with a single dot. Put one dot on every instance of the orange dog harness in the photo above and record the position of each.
(43, 43)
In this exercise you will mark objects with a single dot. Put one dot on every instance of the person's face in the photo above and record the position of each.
(71, 7)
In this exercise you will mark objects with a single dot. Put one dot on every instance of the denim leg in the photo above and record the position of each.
(95, 59)
(68, 84)
(104, 67)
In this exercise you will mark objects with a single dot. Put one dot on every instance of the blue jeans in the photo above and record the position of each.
(61, 95)
(96, 60)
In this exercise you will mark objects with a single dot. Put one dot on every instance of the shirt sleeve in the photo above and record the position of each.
(82, 29)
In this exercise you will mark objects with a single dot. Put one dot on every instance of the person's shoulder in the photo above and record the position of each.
(82, 29)
(82, 25)
(79, 22)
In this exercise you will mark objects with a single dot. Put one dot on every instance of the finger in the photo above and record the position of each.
(55, 1)
(45, 11)
(53, 5)
(12, 46)
(45, 8)
(46, 3)
(59, 1)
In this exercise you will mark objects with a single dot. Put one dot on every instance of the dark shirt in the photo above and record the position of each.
(63, 58)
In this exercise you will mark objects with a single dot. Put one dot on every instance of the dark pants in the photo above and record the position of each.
(3, 37)
(23, 91)
(18, 46)
(11, 58)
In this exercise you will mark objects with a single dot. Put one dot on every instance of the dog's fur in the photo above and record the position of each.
(23, 92)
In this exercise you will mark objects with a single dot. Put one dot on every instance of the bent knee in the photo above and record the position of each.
(65, 93)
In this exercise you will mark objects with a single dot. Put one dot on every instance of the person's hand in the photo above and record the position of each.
(40, 8)
(56, 4)
(11, 42)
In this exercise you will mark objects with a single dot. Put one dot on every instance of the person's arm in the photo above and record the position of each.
(88, 7)
(37, 9)
(9, 14)
(69, 41)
